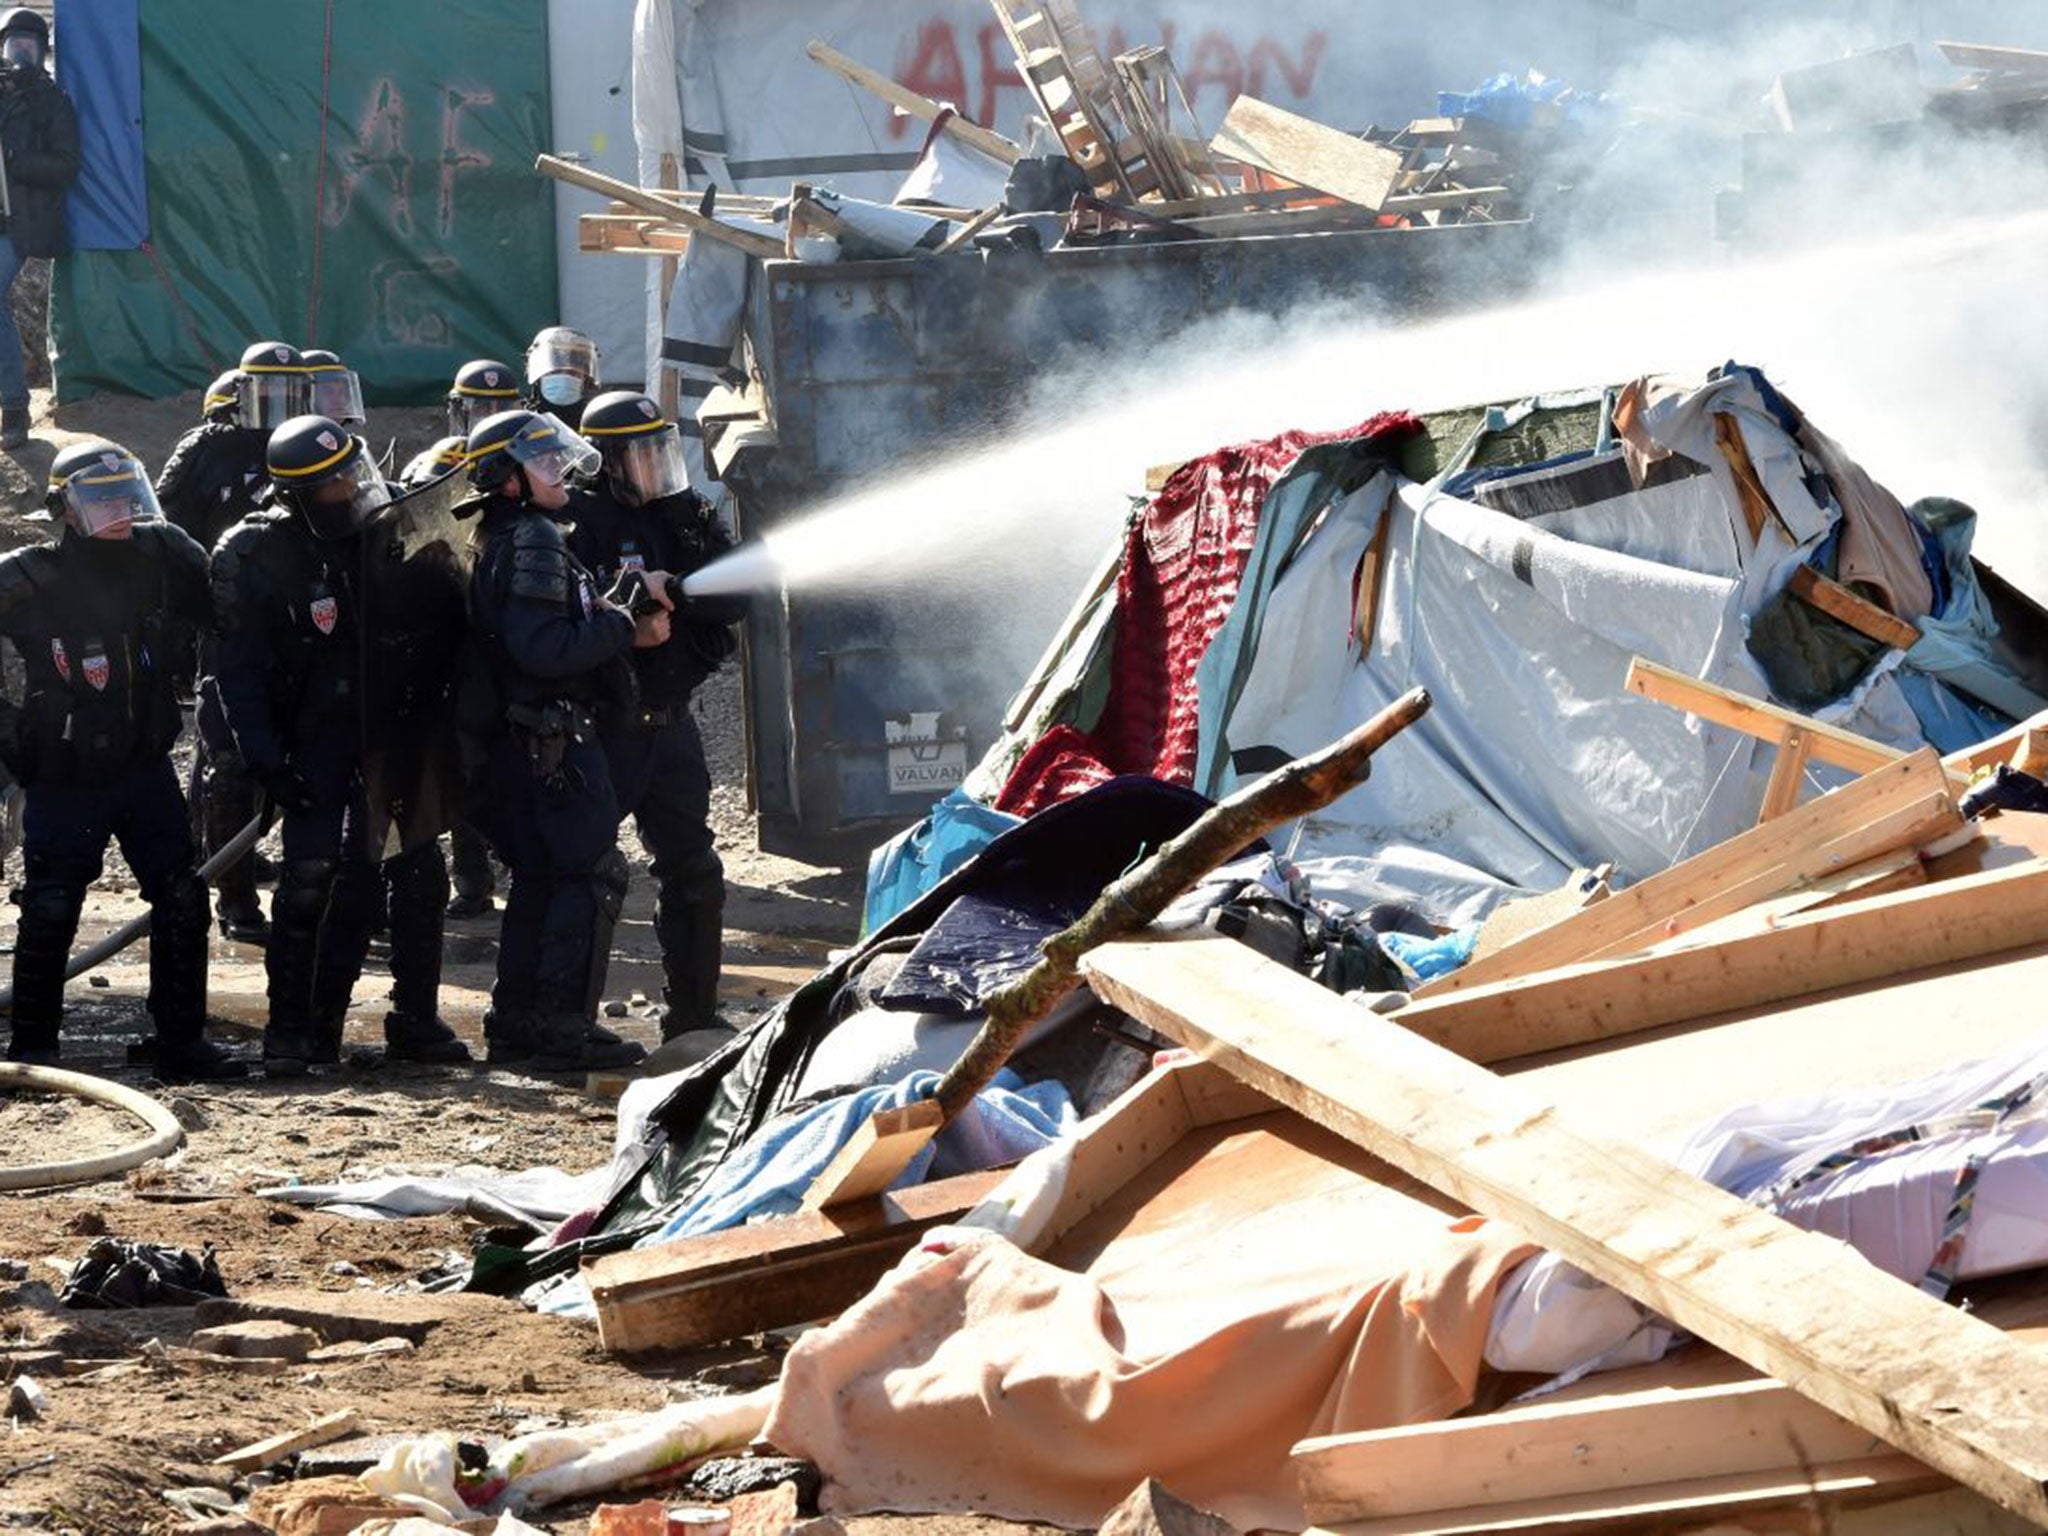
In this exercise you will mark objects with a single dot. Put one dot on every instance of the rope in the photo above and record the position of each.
(320, 178)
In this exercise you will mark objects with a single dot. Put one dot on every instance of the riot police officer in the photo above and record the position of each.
(213, 479)
(550, 650)
(96, 618)
(483, 387)
(643, 515)
(333, 390)
(286, 601)
(561, 372)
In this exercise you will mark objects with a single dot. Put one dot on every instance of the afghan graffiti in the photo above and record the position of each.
(379, 151)
(456, 156)
(1216, 65)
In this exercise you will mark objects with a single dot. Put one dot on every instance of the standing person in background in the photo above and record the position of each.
(39, 142)
(214, 478)
(640, 516)
(561, 373)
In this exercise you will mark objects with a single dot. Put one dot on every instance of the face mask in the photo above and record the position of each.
(24, 51)
(561, 389)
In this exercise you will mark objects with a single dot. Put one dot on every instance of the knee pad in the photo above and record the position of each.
(51, 904)
(304, 887)
(610, 879)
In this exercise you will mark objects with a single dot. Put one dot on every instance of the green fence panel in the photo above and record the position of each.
(414, 237)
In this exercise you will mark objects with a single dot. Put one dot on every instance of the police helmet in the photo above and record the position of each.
(483, 387)
(275, 386)
(561, 365)
(336, 392)
(101, 490)
(24, 38)
(325, 475)
(528, 444)
(223, 398)
(642, 451)
(430, 464)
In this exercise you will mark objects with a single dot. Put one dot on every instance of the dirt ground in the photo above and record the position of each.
(113, 1443)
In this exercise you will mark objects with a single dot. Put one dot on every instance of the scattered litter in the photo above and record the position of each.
(188, 1114)
(115, 1273)
(26, 1400)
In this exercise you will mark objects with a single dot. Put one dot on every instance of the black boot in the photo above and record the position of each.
(177, 987)
(407, 1037)
(692, 938)
(42, 949)
(563, 1042)
(474, 881)
(292, 1043)
(509, 1038)
(13, 427)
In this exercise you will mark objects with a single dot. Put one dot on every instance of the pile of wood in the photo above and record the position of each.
(1825, 1394)
(1151, 169)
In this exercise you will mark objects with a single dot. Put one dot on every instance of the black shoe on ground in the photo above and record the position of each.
(290, 1051)
(571, 1043)
(477, 904)
(200, 1061)
(32, 1053)
(428, 1041)
(244, 924)
(13, 428)
(508, 1039)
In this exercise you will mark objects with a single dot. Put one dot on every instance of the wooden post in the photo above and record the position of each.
(669, 267)
(1787, 774)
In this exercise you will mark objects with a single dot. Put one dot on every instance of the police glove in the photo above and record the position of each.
(287, 788)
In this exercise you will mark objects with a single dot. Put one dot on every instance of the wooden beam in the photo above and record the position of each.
(1928, 1379)
(636, 234)
(1305, 151)
(767, 1274)
(1903, 803)
(876, 1154)
(1631, 1440)
(268, 1453)
(1755, 717)
(905, 99)
(1788, 773)
(1861, 615)
(669, 210)
(1860, 941)
(1997, 60)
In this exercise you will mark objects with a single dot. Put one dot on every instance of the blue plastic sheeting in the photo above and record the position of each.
(99, 65)
(770, 1175)
(918, 858)
(1514, 102)
(1956, 646)
(1427, 959)
(1950, 721)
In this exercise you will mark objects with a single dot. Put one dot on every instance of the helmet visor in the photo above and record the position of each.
(342, 503)
(466, 412)
(107, 497)
(646, 466)
(560, 351)
(272, 397)
(23, 48)
(338, 395)
(548, 450)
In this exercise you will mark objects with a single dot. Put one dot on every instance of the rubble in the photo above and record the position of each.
(257, 1340)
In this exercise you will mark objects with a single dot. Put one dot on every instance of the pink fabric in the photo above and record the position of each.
(1182, 564)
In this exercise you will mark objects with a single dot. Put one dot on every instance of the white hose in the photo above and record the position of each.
(164, 1131)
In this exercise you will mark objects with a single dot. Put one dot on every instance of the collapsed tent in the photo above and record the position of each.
(1522, 552)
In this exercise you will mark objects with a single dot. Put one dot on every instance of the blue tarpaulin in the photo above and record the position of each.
(99, 65)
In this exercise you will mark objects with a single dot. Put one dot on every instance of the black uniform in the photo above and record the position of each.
(549, 654)
(652, 746)
(213, 479)
(288, 655)
(39, 135)
(97, 623)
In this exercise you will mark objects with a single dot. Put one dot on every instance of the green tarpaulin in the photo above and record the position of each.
(417, 236)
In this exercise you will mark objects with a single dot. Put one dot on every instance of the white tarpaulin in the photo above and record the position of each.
(590, 65)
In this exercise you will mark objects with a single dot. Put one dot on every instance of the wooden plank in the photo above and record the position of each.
(268, 1453)
(2028, 61)
(904, 99)
(1628, 1440)
(1904, 870)
(876, 1155)
(1756, 717)
(1998, 749)
(1372, 576)
(1823, 1497)
(1826, 835)
(669, 210)
(1307, 152)
(767, 1274)
(1837, 601)
(1788, 773)
(1928, 1379)
(636, 234)
(1881, 936)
